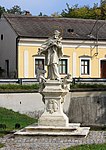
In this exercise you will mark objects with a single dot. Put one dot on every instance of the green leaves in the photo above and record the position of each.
(14, 10)
(85, 12)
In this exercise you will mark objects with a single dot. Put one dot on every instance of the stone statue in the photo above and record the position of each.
(66, 82)
(40, 74)
(52, 49)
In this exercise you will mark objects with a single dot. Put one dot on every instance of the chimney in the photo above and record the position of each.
(27, 13)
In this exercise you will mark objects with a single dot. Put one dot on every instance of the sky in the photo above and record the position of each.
(47, 7)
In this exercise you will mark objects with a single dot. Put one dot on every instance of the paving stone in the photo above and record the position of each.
(50, 142)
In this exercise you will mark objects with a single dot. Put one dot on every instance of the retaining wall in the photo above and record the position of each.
(85, 107)
(88, 108)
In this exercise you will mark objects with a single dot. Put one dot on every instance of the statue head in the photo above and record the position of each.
(56, 33)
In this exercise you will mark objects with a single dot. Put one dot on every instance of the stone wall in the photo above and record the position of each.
(87, 108)
(25, 103)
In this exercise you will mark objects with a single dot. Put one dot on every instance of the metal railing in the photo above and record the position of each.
(34, 80)
(89, 80)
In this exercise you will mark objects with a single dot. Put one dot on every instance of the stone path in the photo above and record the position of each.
(49, 142)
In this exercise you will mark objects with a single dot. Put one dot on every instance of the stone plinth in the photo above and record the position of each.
(73, 129)
(53, 121)
(53, 98)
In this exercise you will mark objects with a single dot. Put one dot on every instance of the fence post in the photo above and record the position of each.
(73, 81)
(20, 81)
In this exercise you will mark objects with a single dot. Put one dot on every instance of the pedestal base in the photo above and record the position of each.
(72, 130)
(53, 96)
(55, 119)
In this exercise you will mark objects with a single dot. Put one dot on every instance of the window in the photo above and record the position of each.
(1, 36)
(7, 67)
(39, 63)
(63, 66)
(85, 66)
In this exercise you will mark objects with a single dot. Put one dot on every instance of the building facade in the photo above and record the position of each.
(84, 46)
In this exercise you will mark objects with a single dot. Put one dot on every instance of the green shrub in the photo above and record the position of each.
(84, 85)
(18, 87)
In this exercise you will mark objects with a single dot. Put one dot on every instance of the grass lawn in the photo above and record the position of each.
(88, 147)
(1, 145)
(9, 119)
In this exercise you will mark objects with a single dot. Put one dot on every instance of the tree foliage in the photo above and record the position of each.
(15, 10)
(85, 12)
(41, 14)
(55, 14)
(2, 10)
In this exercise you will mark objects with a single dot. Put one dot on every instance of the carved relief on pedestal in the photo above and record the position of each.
(52, 106)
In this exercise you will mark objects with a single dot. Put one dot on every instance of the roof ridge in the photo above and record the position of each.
(49, 17)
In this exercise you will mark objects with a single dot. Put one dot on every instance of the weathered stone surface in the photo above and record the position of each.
(88, 109)
(72, 130)
(53, 98)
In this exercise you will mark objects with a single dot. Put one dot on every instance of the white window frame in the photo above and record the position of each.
(85, 58)
(38, 57)
(62, 75)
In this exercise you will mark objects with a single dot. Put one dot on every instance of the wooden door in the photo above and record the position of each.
(103, 68)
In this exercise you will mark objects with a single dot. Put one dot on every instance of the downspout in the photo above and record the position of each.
(17, 40)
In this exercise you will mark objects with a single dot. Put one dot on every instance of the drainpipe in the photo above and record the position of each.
(17, 40)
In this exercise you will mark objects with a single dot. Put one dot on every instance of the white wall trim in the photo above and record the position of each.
(66, 43)
(74, 65)
(29, 44)
(26, 64)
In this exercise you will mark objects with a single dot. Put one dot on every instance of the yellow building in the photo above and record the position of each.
(84, 45)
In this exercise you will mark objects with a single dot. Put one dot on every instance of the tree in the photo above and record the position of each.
(103, 2)
(2, 10)
(55, 14)
(15, 10)
(103, 11)
(85, 12)
(41, 14)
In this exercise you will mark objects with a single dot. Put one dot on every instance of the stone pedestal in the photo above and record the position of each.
(53, 95)
(53, 121)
